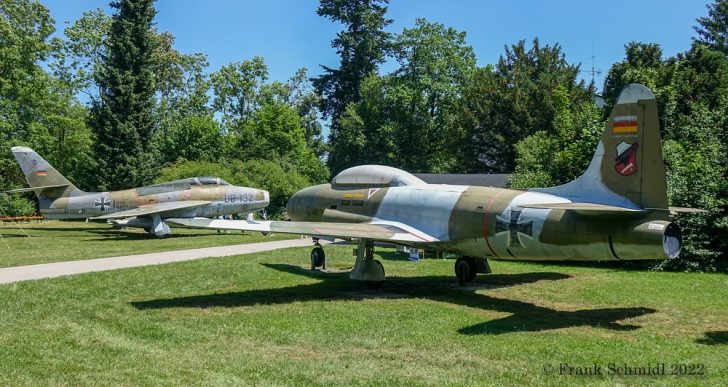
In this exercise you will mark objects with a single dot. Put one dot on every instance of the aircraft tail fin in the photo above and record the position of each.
(627, 169)
(44, 180)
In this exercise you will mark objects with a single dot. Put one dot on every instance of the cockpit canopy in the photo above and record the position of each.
(179, 185)
(208, 180)
(374, 176)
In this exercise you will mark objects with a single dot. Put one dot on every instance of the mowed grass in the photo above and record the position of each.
(265, 319)
(54, 241)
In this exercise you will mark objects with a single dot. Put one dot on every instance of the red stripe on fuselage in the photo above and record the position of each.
(485, 221)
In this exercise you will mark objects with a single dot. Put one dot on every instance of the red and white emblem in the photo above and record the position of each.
(626, 160)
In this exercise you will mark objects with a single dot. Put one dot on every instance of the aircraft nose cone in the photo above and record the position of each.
(266, 197)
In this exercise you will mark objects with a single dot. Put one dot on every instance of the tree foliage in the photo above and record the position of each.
(406, 118)
(547, 159)
(36, 109)
(362, 47)
(713, 29)
(504, 104)
(123, 118)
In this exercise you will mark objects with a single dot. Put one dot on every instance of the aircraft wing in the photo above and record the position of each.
(150, 209)
(586, 208)
(378, 230)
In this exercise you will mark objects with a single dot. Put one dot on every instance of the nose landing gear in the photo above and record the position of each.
(318, 256)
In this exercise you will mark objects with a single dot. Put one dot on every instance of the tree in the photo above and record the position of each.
(434, 64)
(192, 137)
(25, 27)
(274, 121)
(123, 119)
(274, 132)
(237, 91)
(77, 56)
(36, 109)
(695, 155)
(713, 29)
(362, 47)
(406, 118)
(644, 64)
(504, 104)
(303, 97)
(547, 159)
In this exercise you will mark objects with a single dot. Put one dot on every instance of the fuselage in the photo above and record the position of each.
(224, 199)
(490, 222)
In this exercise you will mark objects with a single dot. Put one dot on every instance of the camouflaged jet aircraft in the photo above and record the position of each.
(144, 207)
(617, 210)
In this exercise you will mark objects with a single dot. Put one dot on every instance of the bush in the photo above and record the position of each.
(16, 205)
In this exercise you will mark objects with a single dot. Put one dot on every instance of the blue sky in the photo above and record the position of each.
(288, 34)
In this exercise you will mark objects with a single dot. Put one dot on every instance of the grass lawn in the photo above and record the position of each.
(54, 241)
(264, 319)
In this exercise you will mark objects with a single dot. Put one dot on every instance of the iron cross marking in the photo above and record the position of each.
(102, 203)
(514, 228)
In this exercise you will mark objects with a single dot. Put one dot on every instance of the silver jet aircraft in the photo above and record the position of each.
(143, 207)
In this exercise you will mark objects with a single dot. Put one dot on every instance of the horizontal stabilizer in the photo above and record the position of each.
(687, 210)
(36, 189)
(381, 231)
(161, 209)
(586, 208)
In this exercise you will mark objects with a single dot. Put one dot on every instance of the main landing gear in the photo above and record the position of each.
(366, 268)
(466, 268)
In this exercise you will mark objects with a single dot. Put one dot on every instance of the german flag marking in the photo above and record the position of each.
(624, 124)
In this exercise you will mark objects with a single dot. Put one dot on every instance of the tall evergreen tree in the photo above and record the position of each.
(713, 29)
(362, 47)
(123, 118)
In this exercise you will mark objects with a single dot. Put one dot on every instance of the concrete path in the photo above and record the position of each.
(58, 269)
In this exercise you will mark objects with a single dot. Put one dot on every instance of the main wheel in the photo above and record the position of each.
(465, 269)
(376, 284)
(318, 256)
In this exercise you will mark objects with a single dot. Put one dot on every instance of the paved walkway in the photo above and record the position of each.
(58, 269)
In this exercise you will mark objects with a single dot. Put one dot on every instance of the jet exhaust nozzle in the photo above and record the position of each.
(672, 240)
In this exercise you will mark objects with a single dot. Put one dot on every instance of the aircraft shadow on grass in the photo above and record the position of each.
(714, 338)
(525, 316)
(115, 235)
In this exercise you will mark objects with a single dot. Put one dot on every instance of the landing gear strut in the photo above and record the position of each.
(466, 268)
(367, 268)
(159, 228)
(318, 256)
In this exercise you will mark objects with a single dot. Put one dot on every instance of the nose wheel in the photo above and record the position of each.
(318, 257)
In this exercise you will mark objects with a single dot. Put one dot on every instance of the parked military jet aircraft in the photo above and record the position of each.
(617, 210)
(144, 207)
